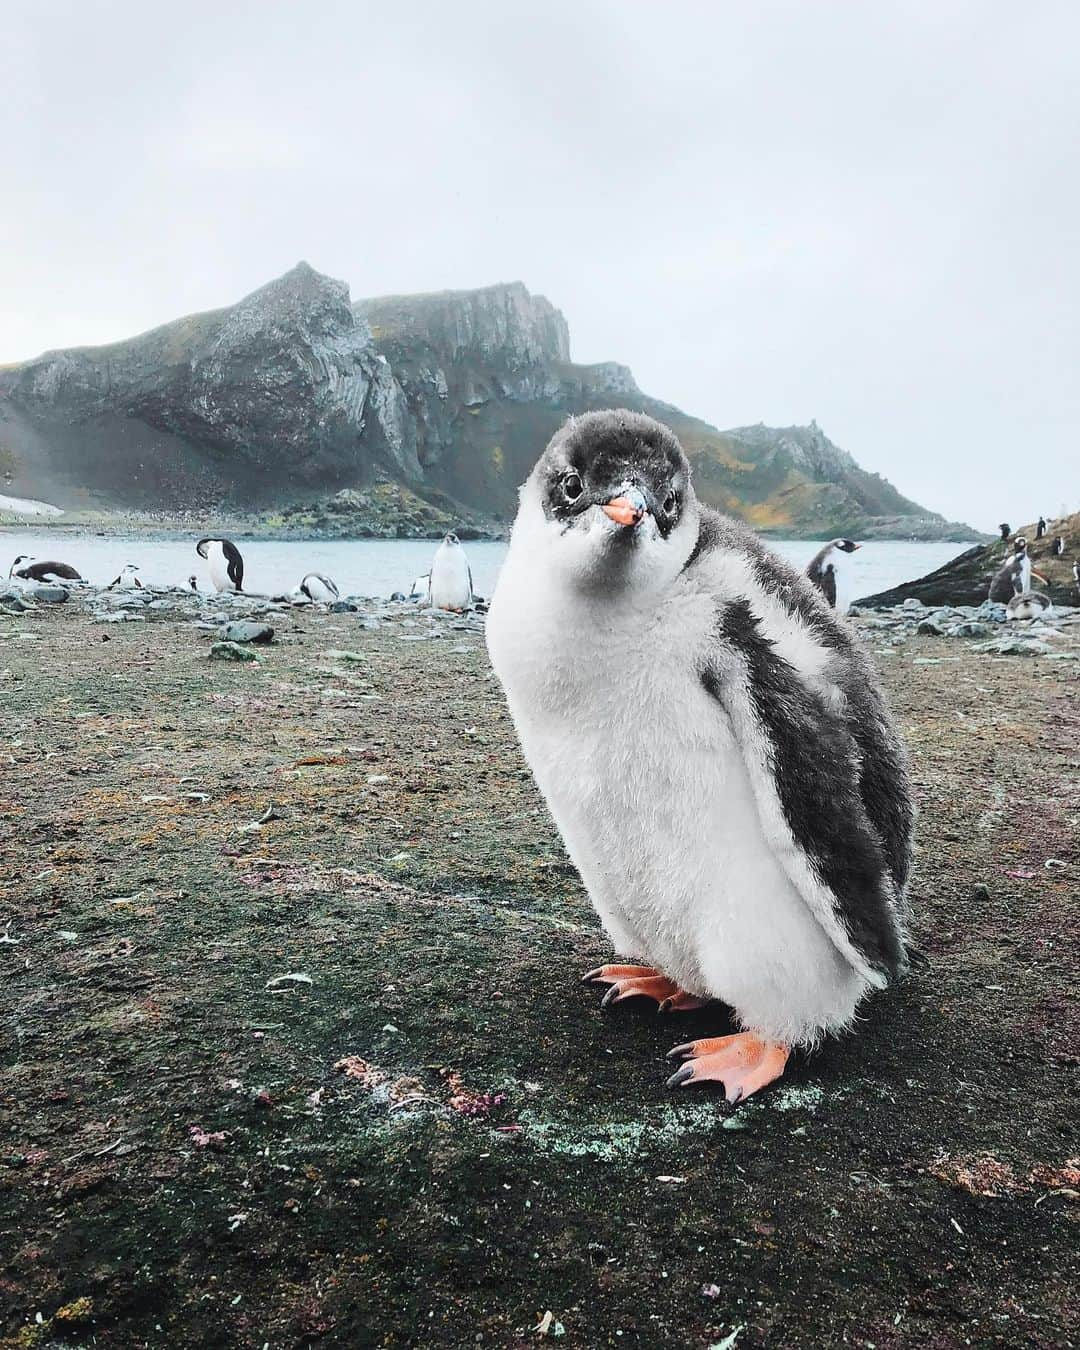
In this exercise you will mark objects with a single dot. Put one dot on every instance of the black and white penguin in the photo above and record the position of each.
(713, 745)
(1014, 575)
(1006, 530)
(126, 578)
(1028, 605)
(319, 588)
(193, 582)
(1058, 546)
(823, 569)
(420, 587)
(42, 571)
(450, 580)
(1040, 529)
(1076, 576)
(223, 562)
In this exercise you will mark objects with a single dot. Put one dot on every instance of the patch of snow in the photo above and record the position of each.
(24, 506)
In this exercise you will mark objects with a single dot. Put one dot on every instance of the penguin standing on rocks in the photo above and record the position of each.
(193, 583)
(1014, 575)
(713, 745)
(223, 562)
(825, 568)
(1058, 546)
(1040, 529)
(450, 584)
(1076, 577)
(1005, 531)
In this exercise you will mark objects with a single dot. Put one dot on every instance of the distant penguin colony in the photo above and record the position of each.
(450, 584)
(713, 745)
(319, 588)
(823, 569)
(42, 571)
(223, 563)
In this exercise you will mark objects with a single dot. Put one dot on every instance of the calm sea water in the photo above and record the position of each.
(379, 567)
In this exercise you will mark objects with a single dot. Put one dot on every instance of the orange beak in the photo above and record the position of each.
(623, 511)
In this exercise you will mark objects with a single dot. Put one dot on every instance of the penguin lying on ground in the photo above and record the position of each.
(824, 567)
(127, 577)
(42, 571)
(1028, 605)
(450, 581)
(319, 588)
(713, 745)
(223, 562)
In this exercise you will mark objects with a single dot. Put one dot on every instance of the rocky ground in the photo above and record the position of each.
(295, 1052)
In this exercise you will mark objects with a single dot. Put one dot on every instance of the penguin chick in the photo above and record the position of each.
(1028, 605)
(822, 569)
(450, 583)
(713, 745)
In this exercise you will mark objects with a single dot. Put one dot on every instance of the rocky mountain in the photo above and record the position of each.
(297, 396)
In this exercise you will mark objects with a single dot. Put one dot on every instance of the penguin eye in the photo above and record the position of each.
(573, 486)
(671, 501)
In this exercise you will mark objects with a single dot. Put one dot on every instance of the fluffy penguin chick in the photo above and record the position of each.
(712, 743)
(450, 582)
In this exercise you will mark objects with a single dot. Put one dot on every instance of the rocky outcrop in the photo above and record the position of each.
(295, 393)
(966, 579)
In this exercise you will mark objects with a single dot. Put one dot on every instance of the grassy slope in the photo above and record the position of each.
(901, 1187)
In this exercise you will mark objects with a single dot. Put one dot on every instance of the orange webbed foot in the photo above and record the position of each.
(642, 982)
(744, 1063)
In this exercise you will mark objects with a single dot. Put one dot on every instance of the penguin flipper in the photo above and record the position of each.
(804, 766)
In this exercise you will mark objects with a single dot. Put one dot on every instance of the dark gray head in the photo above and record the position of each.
(846, 545)
(450, 537)
(22, 558)
(609, 505)
(202, 546)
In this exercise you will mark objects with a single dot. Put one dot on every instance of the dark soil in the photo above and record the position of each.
(437, 1137)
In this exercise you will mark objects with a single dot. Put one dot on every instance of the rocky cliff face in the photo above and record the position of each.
(295, 391)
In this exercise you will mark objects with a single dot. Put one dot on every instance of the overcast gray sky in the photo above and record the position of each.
(863, 213)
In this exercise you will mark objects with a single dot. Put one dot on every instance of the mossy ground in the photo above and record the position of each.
(183, 1165)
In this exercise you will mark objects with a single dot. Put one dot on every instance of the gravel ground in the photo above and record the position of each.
(294, 1049)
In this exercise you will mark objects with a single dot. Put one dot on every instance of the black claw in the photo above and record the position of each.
(681, 1076)
(681, 1051)
(610, 996)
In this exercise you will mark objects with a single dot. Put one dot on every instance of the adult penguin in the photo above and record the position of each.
(223, 562)
(42, 571)
(825, 569)
(713, 745)
(319, 588)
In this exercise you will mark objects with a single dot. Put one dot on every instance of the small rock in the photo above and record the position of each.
(231, 651)
(244, 630)
(912, 603)
(969, 629)
(930, 628)
(980, 893)
(50, 595)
